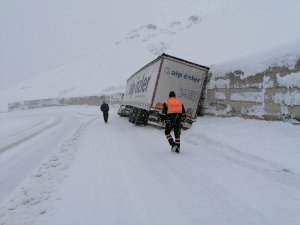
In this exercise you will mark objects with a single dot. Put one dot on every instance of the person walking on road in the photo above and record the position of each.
(104, 108)
(173, 114)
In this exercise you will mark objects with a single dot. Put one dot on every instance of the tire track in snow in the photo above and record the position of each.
(208, 180)
(182, 192)
(20, 132)
(192, 190)
(31, 135)
(270, 169)
(30, 201)
(159, 177)
(129, 174)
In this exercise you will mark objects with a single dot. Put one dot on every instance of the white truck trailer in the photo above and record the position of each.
(149, 88)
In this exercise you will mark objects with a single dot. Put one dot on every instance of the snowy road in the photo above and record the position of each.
(117, 173)
(28, 138)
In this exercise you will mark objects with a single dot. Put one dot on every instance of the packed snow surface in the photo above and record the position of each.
(64, 165)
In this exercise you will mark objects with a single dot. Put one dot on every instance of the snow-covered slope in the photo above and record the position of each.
(102, 44)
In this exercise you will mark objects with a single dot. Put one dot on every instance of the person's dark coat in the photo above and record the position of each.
(105, 108)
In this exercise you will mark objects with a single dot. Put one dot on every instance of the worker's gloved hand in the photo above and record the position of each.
(162, 117)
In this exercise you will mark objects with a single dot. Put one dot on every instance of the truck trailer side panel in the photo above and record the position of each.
(140, 86)
(183, 78)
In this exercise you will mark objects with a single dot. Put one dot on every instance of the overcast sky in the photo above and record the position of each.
(38, 35)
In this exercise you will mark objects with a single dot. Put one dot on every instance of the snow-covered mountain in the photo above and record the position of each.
(86, 47)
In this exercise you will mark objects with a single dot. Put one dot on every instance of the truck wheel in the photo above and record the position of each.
(137, 118)
(132, 118)
(121, 111)
(142, 117)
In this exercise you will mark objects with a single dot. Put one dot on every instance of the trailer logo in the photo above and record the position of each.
(140, 86)
(180, 75)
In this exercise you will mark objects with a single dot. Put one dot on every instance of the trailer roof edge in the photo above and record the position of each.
(179, 59)
(164, 55)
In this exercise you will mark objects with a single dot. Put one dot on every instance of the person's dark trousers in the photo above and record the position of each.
(105, 116)
(173, 122)
(177, 134)
(168, 129)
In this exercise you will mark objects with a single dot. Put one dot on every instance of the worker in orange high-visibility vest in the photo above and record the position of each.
(173, 114)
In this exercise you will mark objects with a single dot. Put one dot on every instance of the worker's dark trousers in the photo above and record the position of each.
(105, 116)
(173, 123)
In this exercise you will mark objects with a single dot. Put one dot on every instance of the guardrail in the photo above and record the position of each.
(112, 99)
